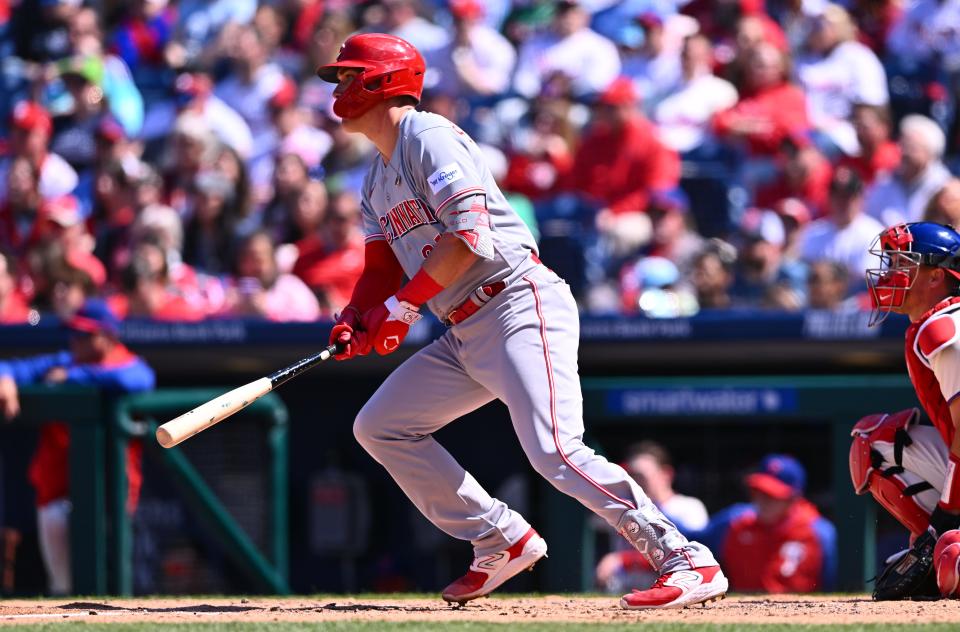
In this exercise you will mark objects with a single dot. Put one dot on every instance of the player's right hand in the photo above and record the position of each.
(348, 336)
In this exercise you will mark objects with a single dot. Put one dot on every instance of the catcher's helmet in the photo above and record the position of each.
(902, 249)
(389, 67)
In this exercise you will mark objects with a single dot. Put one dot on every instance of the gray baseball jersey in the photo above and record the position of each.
(418, 195)
(520, 347)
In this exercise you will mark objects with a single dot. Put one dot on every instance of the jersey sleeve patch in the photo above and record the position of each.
(444, 177)
(935, 335)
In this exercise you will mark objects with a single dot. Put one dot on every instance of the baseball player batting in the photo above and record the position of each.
(433, 213)
(913, 471)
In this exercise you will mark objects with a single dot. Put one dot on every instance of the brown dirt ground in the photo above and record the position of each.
(740, 609)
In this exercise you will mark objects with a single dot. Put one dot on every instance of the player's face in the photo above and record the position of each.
(345, 77)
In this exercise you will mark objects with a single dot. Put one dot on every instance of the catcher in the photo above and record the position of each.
(914, 471)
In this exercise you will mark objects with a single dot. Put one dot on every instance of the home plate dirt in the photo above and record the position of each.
(779, 609)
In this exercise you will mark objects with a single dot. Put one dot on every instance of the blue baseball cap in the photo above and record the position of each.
(95, 317)
(779, 476)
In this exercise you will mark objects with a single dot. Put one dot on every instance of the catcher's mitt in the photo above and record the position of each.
(910, 576)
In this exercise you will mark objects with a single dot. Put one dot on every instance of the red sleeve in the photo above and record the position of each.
(789, 112)
(381, 277)
(654, 167)
(722, 121)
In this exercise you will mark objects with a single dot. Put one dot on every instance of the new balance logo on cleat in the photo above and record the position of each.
(490, 562)
(679, 589)
(488, 573)
(685, 580)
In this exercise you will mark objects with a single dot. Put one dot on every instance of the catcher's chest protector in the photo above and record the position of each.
(924, 381)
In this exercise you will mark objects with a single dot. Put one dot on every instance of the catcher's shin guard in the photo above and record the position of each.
(887, 485)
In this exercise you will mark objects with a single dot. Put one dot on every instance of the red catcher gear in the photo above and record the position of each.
(887, 486)
(389, 67)
(924, 381)
(946, 563)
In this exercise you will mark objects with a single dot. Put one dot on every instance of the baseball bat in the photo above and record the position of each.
(216, 410)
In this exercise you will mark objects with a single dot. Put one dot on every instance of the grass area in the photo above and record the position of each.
(464, 626)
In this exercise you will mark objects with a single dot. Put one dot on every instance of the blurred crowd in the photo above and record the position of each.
(180, 159)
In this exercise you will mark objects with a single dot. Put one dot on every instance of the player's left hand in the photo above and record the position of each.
(387, 324)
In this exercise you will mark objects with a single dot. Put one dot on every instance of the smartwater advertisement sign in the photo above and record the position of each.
(701, 401)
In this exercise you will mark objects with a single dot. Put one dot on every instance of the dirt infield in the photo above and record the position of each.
(780, 609)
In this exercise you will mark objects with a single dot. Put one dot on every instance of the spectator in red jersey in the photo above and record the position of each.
(877, 152)
(779, 542)
(63, 225)
(804, 174)
(621, 163)
(770, 108)
(13, 307)
(541, 149)
(260, 290)
(331, 259)
(158, 224)
(148, 292)
(30, 131)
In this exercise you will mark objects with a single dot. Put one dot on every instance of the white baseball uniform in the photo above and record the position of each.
(520, 347)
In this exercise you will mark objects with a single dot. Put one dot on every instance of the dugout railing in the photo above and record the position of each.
(100, 527)
(835, 401)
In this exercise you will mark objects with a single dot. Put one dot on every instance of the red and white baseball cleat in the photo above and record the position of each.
(679, 589)
(487, 573)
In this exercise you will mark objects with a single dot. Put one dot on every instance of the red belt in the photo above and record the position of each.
(477, 299)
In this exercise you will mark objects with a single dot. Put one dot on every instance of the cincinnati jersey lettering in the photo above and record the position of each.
(404, 217)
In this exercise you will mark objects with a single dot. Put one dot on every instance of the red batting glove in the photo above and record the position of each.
(348, 335)
(387, 324)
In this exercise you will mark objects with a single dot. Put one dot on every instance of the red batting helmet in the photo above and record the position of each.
(389, 67)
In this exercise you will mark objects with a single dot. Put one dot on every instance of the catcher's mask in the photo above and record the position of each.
(902, 249)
